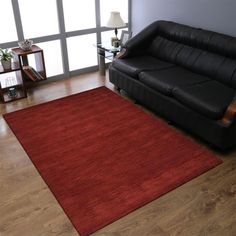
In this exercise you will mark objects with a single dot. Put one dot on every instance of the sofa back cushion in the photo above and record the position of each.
(198, 50)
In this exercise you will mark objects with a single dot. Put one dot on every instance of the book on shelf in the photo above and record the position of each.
(32, 73)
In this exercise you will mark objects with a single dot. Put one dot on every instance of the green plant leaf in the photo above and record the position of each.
(5, 54)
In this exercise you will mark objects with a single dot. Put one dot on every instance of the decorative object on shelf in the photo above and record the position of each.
(26, 44)
(116, 43)
(10, 83)
(32, 73)
(115, 21)
(12, 92)
(125, 36)
(6, 56)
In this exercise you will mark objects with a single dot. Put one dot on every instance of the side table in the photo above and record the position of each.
(105, 51)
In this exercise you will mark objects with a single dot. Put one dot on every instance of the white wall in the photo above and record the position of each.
(216, 15)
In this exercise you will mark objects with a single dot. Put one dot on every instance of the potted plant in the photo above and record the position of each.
(6, 56)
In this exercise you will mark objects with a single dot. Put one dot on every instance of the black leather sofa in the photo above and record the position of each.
(186, 74)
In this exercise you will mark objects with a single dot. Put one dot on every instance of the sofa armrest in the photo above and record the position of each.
(121, 54)
(230, 113)
(138, 44)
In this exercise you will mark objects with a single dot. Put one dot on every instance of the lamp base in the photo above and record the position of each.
(114, 41)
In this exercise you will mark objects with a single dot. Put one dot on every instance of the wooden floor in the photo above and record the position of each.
(205, 206)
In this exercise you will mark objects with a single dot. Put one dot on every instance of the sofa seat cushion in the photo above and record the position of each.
(209, 98)
(134, 65)
(165, 81)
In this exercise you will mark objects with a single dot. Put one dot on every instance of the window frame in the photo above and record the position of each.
(63, 35)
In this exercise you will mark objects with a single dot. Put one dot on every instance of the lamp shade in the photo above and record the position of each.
(115, 20)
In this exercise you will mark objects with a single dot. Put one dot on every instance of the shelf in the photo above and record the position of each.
(14, 67)
(5, 89)
(23, 72)
(20, 94)
(38, 73)
(20, 52)
(10, 80)
(106, 46)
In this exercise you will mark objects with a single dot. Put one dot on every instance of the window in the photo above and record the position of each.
(66, 49)
(81, 51)
(76, 14)
(7, 25)
(53, 57)
(113, 5)
(39, 18)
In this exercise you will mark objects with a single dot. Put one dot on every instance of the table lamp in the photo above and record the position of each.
(115, 21)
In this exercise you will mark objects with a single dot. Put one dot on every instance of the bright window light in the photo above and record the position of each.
(82, 51)
(39, 18)
(79, 14)
(53, 57)
(7, 23)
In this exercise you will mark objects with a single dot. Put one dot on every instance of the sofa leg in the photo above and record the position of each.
(117, 88)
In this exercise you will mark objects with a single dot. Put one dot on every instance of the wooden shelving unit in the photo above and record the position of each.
(30, 73)
(23, 72)
(16, 82)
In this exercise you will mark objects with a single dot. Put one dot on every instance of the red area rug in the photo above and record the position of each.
(102, 157)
